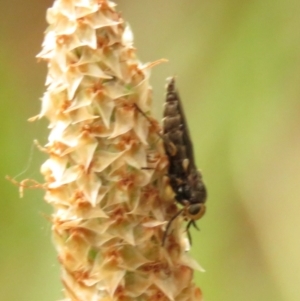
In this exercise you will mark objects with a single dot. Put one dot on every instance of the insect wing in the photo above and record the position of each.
(187, 142)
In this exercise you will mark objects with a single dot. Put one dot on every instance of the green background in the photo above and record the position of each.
(237, 64)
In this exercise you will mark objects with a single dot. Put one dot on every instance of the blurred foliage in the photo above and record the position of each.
(237, 64)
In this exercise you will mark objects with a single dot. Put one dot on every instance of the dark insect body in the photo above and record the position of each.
(185, 180)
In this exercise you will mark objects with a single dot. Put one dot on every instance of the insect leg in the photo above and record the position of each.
(147, 117)
(169, 225)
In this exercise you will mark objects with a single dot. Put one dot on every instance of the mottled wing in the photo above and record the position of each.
(171, 88)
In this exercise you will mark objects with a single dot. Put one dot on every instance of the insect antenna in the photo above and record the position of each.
(195, 225)
(191, 222)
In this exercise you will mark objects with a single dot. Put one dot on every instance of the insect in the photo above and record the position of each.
(185, 180)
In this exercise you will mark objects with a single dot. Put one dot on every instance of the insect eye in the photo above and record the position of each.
(195, 211)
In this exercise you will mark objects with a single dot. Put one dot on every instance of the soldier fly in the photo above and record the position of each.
(185, 180)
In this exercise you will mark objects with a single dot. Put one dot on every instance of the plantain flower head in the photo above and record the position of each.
(106, 172)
